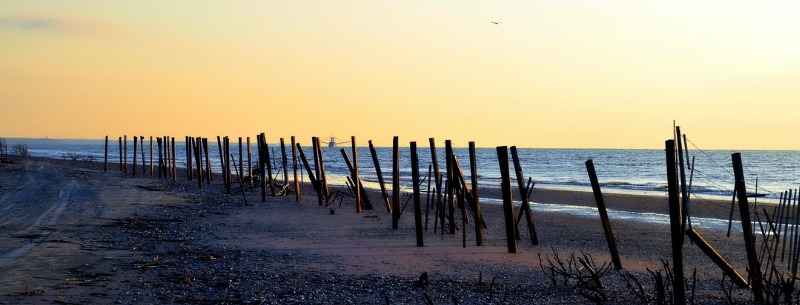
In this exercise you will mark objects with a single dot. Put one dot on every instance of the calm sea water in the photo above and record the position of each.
(618, 170)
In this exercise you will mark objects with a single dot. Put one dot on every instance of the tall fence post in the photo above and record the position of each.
(523, 193)
(473, 164)
(417, 200)
(105, 163)
(379, 173)
(675, 218)
(508, 204)
(294, 168)
(754, 270)
(135, 146)
(396, 183)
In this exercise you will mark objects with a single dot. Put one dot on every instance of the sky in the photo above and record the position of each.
(548, 74)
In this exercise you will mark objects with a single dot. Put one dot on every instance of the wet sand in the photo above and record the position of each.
(73, 233)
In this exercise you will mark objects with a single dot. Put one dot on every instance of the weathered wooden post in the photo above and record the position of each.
(378, 172)
(135, 144)
(125, 153)
(396, 183)
(228, 174)
(683, 186)
(601, 208)
(141, 145)
(508, 204)
(160, 159)
(198, 155)
(249, 163)
(294, 168)
(167, 159)
(221, 160)
(208, 161)
(324, 176)
(284, 164)
(151, 157)
(187, 152)
(119, 140)
(174, 162)
(314, 182)
(241, 157)
(523, 194)
(417, 201)
(105, 163)
(268, 162)
(365, 203)
(754, 270)
(675, 218)
(473, 164)
(262, 158)
(355, 174)
(451, 186)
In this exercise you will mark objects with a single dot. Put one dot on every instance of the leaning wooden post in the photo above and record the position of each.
(135, 147)
(208, 161)
(438, 177)
(322, 174)
(683, 186)
(310, 171)
(268, 161)
(675, 217)
(417, 200)
(754, 268)
(508, 204)
(365, 204)
(294, 168)
(221, 159)
(355, 174)
(523, 194)
(396, 183)
(105, 163)
(473, 164)
(378, 172)
(601, 207)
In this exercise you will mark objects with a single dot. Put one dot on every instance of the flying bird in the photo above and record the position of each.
(496, 22)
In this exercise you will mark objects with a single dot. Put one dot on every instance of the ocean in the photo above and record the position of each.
(634, 171)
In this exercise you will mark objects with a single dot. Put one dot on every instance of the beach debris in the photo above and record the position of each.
(423, 281)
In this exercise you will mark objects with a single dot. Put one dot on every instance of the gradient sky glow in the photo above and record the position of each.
(551, 74)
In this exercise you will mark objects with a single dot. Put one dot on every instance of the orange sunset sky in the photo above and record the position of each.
(574, 74)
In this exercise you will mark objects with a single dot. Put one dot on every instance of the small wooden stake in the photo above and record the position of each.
(601, 208)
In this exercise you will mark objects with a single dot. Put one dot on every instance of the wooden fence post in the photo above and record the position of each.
(125, 153)
(105, 163)
(160, 159)
(473, 164)
(310, 171)
(396, 183)
(261, 138)
(241, 157)
(417, 201)
(174, 162)
(601, 208)
(294, 168)
(119, 140)
(354, 172)
(324, 176)
(208, 161)
(508, 204)
(249, 163)
(141, 145)
(198, 155)
(754, 270)
(135, 144)
(151, 157)
(675, 225)
(438, 177)
(451, 186)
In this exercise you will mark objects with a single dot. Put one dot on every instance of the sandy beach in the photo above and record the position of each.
(71, 233)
